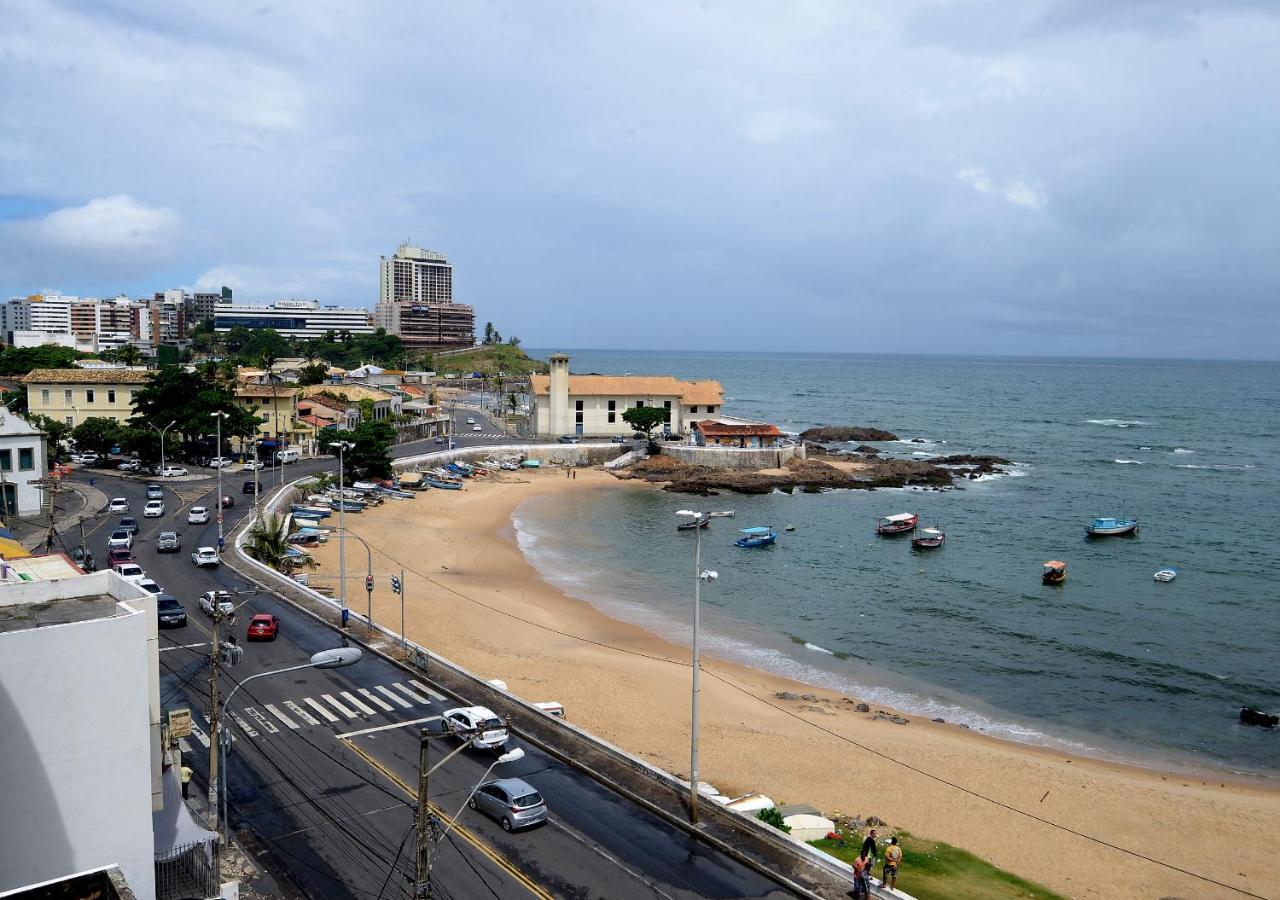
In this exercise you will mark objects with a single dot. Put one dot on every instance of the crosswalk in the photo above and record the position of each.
(336, 708)
(479, 434)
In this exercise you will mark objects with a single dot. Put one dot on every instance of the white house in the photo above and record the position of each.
(592, 405)
(23, 459)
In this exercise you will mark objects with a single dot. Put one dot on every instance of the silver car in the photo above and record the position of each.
(512, 801)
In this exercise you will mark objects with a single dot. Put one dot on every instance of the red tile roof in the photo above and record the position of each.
(712, 428)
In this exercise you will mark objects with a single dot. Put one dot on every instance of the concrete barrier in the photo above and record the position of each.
(751, 458)
(592, 454)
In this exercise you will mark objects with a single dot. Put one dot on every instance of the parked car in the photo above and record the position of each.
(120, 538)
(198, 515)
(119, 554)
(172, 472)
(155, 492)
(263, 627)
(85, 459)
(440, 440)
(153, 510)
(204, 556)
(129, 524)
(477, 724)
(118, 505)
(250, 487)
(569, 439)
(150, 586)
(129, 465)
(221, 462)
(168, 542)
(617, 439)
(170, 612)
(228, 501)
(514, 802)
(225, 604)
(130, 571)
(253, 465)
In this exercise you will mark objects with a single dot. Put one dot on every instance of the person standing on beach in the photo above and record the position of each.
(892, 859)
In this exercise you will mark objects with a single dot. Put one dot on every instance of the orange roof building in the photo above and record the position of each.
(729, 432)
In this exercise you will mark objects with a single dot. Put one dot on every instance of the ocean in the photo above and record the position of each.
(1110, 663)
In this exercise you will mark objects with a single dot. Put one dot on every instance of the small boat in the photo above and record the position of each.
(1166, 575)
(1055, 572)
(1110, 527)
(397, 493)
(790, 528)
(898, 523)
(531, 464)
(351, 506)
(721, 514)
(314, 512)
(412, 481)
(701, 522)
(445, 485)
(760, 536)
(928, 538)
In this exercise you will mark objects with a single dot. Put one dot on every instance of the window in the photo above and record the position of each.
(577, 417)
(266, 417)
(111, 396)
(66, 396)
(44, 395)
(70, 420)
(639, 404)
(666, 404)
(693, 409)
(577, 404)
(613, 417)
(26, 459)
(711, 409)
(6, 460)
(88, 395)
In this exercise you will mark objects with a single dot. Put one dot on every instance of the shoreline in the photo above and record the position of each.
(467, 577)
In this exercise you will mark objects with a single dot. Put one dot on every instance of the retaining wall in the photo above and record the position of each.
(548, 454)
(751, 458)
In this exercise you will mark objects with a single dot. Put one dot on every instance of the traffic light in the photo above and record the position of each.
(368, 583)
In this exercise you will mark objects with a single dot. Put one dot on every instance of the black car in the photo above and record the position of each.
(169, 611)
(128, 524)
(250, 487)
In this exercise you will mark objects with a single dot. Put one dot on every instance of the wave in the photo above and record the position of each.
(816, 649)
(1128, 462)
(1182, 450)
(1222, 467)
(1116, 423)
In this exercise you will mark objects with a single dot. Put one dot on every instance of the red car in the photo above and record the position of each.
(263, 627)
(118, 555)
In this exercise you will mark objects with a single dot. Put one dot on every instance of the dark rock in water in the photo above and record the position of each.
(786, 695)
(980, 463)
(867, 449)
(862, 707)
(940, 721)
(831, 434)
(918, 441)
(1251, 716)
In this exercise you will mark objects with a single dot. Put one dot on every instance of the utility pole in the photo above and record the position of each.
(215, 713)
(422, 884)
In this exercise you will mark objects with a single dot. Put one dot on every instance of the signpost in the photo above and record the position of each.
(179, 723)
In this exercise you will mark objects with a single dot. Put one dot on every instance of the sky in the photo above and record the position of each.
(1028, 177)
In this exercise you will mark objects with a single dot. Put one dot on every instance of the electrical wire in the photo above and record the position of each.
(399, 853)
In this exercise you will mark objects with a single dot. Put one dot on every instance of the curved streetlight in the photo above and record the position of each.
(220, 416)
(161, 433)
(342, 530)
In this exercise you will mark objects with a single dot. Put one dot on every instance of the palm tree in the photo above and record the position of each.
(268, 543)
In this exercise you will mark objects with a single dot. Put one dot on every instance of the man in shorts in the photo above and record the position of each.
(892, 859)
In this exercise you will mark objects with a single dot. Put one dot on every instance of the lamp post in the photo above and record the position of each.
(336, 658)
(161, 433)
(220, 416)
(342, 531)
(699, 575)
(368, 578)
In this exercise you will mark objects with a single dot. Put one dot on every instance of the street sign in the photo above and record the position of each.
(179, 723)
(219, 518)
(395, 584)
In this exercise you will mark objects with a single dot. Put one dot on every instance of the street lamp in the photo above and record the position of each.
(161, 433)
(335, 658)
(368, 578)
(342, 531)
(699, 575)
(220, 416)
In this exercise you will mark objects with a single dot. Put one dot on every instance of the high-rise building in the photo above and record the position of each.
(415, 275)
(416, 301)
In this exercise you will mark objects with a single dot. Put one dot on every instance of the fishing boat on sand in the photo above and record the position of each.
(1166, 575)
(1108, 526)
(1055, 572)
(928, 538)
(701, 522)
(760, 536)
(444, 485)
(898, 523)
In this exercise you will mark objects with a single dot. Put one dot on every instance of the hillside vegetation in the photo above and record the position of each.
(504, 358)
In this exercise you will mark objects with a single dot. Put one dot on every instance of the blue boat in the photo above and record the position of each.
(313, 512)
(760, 536)
(1110, 527)
(445, 485)
(464, 471)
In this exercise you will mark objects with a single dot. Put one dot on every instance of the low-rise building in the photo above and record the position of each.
(385, 403)
(293, 318)
(73, 395)
(23, 459)
(730, 431)
(274, 405)
(592, 405)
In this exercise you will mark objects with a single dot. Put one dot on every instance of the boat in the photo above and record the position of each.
(1055, 572)
(760, 536)
(314, 512)
(701, 522)
(412, 481)
(1166, 575)
(898, 523)
(1110, 527)
(351, 506)
(531, 464)
(928, 538)
(445, 485)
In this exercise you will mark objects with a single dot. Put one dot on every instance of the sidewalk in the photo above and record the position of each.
(75, 502)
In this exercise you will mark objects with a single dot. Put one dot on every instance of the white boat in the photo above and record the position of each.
(1166, 575)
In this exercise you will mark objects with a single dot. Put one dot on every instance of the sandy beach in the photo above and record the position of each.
(474, 599)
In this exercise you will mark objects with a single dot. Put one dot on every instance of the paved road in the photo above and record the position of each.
(324, 765)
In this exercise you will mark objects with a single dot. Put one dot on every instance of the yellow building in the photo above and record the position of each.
(73, 395)
(274, 405)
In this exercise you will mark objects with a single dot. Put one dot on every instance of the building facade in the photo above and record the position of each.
(592, 405)
(73, 395)
(415, 275)
(297, 319)
(415, 301)
(24, 458)
(730, 431)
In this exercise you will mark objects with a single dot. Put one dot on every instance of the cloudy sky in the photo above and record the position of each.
(1081, 177)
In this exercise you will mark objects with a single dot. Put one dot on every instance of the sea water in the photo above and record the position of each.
(1110, 662)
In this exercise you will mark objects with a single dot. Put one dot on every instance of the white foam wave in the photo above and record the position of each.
(924, 453)
(1222, 467)
(1128, 462)
(1115, 423)
(1182, 450)
(816, 649)
(1144, 448)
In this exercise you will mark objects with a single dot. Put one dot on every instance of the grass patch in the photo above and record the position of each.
(491, 359)
(932, 870)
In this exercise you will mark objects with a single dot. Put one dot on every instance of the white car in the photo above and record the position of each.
(121, 537)
(85, 459)
(221, 462)
(118, 505)
(129, 465)
(471, 421)
(476, 428)
(225, 604)
(150, 586)
(131, 572)
(198, 515)
(172, 472)
(204, 556)
(253, 465)
(477, 724)
(153, 510)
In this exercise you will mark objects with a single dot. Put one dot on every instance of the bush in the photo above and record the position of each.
(772, 816)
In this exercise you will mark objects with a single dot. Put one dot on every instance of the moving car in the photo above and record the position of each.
(477, 724)
(228, 501)
(168, 542)
(512, 801)
(118, 555)
(287, 457)
(221, 462)
(250, 487)
(153, 510)
(223, 599)
(204, 556)
(172, 472)
(118, 505)
(471, 421)
(617, 439)
(252, 465)
(150, 586)
(120, 538)
(129, 465)
(476, 428)
(130, 571)
(263, 627)
(198, 515)
(128, 524)
(170, 612)
(155, 492)
(569, 439)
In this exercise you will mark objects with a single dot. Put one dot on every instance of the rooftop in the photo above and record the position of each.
(264, 390)
(21, 616)
(695, 393)
(712, 428)
(87, 376)
(352, 392)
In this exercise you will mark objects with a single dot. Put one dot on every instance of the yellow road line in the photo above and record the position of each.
(470, 837)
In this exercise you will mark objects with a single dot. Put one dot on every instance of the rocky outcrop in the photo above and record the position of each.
(834, 434)
(800, 474)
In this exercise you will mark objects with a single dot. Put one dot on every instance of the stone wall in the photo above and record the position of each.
(548, 454)
(749, 458)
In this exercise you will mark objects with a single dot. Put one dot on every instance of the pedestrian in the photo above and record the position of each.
(892, 859)
(869, 848)
(186, 779)
(574, 473)
(861, 886)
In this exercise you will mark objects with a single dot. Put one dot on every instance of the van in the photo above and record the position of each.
(288, 456)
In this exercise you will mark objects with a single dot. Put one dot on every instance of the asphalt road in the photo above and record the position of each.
(324, 765)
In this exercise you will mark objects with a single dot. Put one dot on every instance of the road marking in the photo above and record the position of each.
(244, 726)
(358, 703)
(328, 716)
(460, 830)
(184, 646)
(387, 727)
(262, 720)
(417, 698)
(439, 698)
(200, 735)
(332, 701)
(374, 698)
(271, 708)
(400, 701)
(302, 713)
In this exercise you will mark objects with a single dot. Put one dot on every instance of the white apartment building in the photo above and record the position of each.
(23, 459)
(415, 275)
(48, 313)
(293, 318)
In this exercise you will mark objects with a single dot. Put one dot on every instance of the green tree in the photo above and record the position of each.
(139, 439)
(371, 454)
(98, 434)
(773, 816)
(55, 431)
(126, 355)
(187, 399)
(313, 373)
(268, 543)
(644, 418)
(264, 347)
(21, 360)
(488, 333)
(236, 338)
(513, 341)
